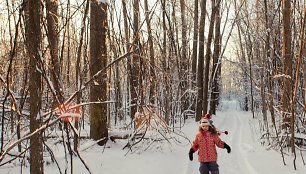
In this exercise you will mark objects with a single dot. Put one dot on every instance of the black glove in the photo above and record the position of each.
(227, 147)
(191, 151)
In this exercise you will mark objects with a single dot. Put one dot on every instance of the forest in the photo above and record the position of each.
(77, 70)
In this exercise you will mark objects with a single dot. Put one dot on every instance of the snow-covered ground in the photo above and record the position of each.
(247, 156)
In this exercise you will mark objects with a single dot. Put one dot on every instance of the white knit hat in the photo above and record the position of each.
(204, 122)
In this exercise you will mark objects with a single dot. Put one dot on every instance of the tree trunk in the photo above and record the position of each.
(52, 25)
(215, 76)
(152, 57)
(165, 65)
(33, 44)
(287, 59)
(135, 64)
(194, 56)
(199, 108)
(184, 60)
(195, 41)
(98, 60)
(208, 56)
(127, 46)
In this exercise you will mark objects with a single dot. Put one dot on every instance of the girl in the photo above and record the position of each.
(206, 141)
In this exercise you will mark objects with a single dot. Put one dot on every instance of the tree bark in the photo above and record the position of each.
(287, 60)
(208, 56)
(215, 76)
(98, 61)
(127, 47)
(152, 80)
(33, 44)
(135, 64)
(195, 41)
(199, 108)
(184, 59)
(52, 25)
(165, 64)
(194, 56)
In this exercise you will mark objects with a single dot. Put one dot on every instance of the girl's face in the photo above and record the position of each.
(205, 127)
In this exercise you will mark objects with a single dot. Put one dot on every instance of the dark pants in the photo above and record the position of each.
(207, 167)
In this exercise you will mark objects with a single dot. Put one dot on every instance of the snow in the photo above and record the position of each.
(248, 156)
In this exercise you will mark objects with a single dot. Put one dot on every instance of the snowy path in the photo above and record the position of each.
(236, 162)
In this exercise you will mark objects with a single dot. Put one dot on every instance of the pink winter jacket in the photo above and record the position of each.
(206, 143)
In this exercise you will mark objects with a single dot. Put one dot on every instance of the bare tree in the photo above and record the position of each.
(216, 68)
(165, 62)
(287, 58)
(208, 54)
(184, 59)
(52, 25)
(194, 56)
(135, 80)
(98, 61)
(195, 40)
(200, 71)
(288, 118)
(127, 48)
(152, 79)
(33, 44)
